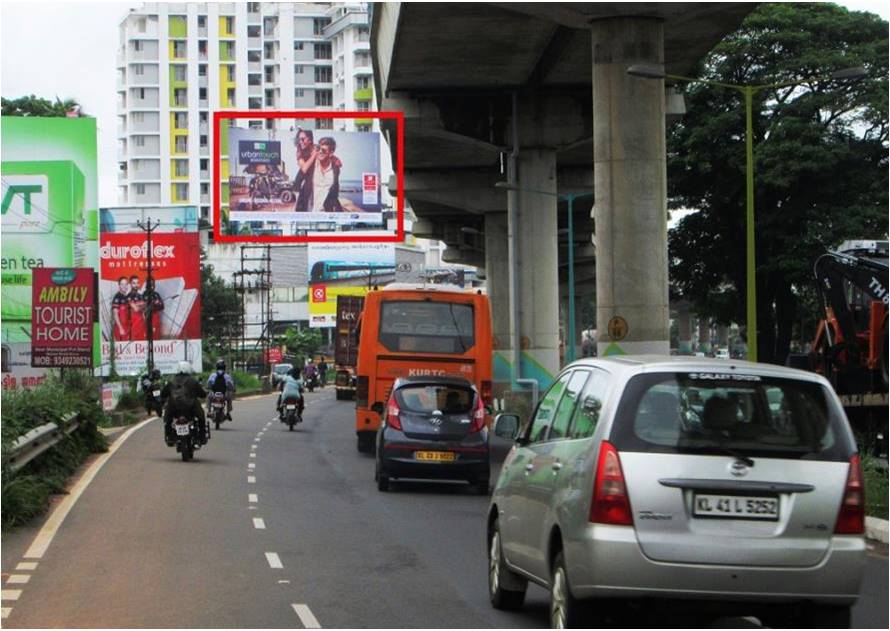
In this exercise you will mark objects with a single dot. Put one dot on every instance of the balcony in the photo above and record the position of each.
(363, 94)
(122, 176)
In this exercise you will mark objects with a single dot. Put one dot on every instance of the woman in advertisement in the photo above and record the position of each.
(311, 195)
(306, 153)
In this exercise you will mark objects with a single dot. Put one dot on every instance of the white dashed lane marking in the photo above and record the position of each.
(18, 579)
(11, 594)
(258, 523)
(274, 561)
(253, 454)
(27, 565)
(251, 479)
(305, 615)
(251, 465)
(4, 612)
(252, 498)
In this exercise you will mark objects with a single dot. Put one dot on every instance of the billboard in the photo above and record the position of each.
(50, 219)
(340, 269)
(132, 306)
(287, 183)
(62, 320)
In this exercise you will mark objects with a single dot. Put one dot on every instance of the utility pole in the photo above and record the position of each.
(148, 227)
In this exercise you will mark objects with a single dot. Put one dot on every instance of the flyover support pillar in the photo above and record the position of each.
(630, 180)
(536, 263)
(497, 275)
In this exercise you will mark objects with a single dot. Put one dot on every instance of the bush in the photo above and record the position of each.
(26, 492)
(130, 400)
(246, 381)
(875, 487)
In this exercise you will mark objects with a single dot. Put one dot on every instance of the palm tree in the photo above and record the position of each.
(35, 106)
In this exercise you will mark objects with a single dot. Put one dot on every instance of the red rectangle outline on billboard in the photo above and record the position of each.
(398, 237)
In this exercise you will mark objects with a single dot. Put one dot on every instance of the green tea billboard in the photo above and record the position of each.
(49, 219)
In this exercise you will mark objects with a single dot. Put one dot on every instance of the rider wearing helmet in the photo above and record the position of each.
(221, 381)
(291, 387)
(183, 395)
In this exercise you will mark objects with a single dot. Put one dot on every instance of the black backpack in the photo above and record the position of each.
(219, 383)
(180, 396)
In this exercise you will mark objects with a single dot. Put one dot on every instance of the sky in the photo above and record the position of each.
(68, 49)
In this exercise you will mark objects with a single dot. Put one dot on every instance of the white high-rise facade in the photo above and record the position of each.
(180, 62)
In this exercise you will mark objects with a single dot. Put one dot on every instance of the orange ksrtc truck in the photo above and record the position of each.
(409, 330)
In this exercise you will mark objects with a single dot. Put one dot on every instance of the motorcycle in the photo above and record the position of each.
(311, 382)
(188, 436)
(218, 408)
(151, 389)
(290, 412)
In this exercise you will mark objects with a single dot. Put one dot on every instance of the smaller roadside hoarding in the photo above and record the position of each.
(62, 318)
(338, 269)
(130, 303)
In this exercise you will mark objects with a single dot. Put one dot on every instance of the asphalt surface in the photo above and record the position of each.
(156, 542)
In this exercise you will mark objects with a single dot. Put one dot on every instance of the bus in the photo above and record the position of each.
(418, 330)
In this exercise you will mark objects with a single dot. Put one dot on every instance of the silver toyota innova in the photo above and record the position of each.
(727, 485)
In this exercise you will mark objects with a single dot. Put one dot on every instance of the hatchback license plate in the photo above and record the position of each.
(735, 506)
(434, 456)
(182, 430)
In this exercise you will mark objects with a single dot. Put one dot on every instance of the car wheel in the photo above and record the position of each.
(814, 616)
(565, 611)
(500, 577)
(382, 482)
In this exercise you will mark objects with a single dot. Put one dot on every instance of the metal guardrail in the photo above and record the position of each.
(35, 442)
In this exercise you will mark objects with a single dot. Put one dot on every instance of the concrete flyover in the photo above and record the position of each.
(537, 96)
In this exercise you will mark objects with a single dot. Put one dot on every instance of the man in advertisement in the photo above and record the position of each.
(154, 306)
(137, 311)
(326, 179)
(120, 310)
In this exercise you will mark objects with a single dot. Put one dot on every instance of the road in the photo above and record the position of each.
(270, 528)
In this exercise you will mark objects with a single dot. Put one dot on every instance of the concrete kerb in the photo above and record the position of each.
(877, 529)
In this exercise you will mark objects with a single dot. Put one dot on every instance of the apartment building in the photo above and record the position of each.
(179, 62)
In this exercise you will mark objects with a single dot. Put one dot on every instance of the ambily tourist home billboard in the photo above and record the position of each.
(50, 219)
(134, 306)
(63, 313)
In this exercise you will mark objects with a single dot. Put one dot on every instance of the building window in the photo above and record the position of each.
(269, 50)
(298, 69)
(202, 70)
(270, 123)
(363, 82)
(299, 93)
(138, 117)
(270, 98)
(139, 141)
(362, 58)
(230, 73)
(362, 128)
(254, 56)
(179, 72)
(137, 45)
(364, 34)
(323, 50)
(179, 50)
(140, 189)
(202, 48)
(363, 106)
(255, 125)
(182, 144)
(324, 123)
(298, 45)
(230, 97)
(269, 26)
(202, 21)
(180, 120)
(140, 93)
(203, 140)
(324, 74)
(140, 25)
(181, 168)
(180, 97)
(204, 162)
(324, 97)
(318, 25)
(139, 69)
(254, 79)
(229, 25)
(254, 103)
(181, 192)
(253, 7)
(202, 94)
(270, 74)
(253, 30)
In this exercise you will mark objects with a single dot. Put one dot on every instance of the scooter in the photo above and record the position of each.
(218, 408)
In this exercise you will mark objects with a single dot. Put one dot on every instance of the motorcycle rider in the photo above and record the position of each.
(291, 387)
(150, 381)
(310, 372)
(221, 381)
(183, 395)
(322, 372)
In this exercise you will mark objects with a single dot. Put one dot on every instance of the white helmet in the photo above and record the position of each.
(184, 368)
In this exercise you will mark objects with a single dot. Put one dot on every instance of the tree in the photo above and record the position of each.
(301, 342)
(35, 106)
(220, 312)
(820, 154)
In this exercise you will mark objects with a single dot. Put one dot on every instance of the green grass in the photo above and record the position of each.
(875, 488)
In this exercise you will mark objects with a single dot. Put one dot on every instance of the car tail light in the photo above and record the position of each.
(478, 416)
(851, 518)
(392, 414)
(486, 392)
(610, 503)
(361, 392)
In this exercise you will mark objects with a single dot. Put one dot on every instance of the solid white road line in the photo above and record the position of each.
(305, 615)
(27, 565)
(251, 479)
(4, 612)
(18, 579)
(252, 498)
(258, 523)
(45, 536)
(10, 594)
(274, 561)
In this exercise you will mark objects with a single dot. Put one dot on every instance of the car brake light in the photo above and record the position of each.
(486, 392)
(478, 416)
(392, 415)
(610, 503)
(851, 517)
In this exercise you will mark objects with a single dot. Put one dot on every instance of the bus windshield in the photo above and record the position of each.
(427, 326)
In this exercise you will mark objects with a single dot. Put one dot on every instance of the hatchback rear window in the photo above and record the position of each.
(429, 398)
(730, 413)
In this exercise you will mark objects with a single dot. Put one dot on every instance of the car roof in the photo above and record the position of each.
(634, 364)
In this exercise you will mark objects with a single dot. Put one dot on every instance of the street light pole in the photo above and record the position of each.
(647, 71)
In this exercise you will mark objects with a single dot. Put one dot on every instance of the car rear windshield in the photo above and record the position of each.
(448, 399)
(282, 368)
(731, 414)
(427, 327)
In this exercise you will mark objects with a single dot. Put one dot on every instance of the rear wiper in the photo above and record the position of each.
(738, 455)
